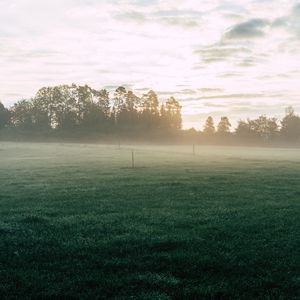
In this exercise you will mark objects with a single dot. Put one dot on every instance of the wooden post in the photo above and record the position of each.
(194, 152)
(132, 159)
(119, 144)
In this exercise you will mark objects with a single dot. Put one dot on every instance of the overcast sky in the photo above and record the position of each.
(237, 58)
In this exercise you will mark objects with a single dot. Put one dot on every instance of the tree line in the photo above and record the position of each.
(73, 107)
(69, 108)
(260, 130)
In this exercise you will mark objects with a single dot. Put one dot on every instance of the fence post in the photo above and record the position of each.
(132, 159)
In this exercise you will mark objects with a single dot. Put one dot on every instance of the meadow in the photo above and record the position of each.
(77, 222)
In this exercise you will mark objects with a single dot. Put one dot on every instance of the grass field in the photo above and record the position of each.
(76, 222)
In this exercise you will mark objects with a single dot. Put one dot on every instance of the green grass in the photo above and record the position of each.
(76, 222)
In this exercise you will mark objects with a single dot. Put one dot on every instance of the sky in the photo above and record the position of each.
(235, 58)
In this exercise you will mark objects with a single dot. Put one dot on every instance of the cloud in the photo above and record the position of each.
(220, 52)
(222, 99)
(132, 16)
(230, 74)
(296, 10)
(183, 22)
(210, 90)
(254, 28)
(280, 22)
(289, 22)
(213, 104)
(182, 18)
(236, 96)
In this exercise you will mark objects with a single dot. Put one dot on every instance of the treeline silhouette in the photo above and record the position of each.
(262, 130)
(83, 112)
(69, 107)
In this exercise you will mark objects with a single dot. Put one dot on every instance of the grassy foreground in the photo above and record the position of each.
(76, 222)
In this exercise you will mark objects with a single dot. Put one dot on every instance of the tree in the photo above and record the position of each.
(40, 114)
(150, 102)
(130, 115)
(94, 117)
(65, 108)
(265, 128)
(119, 104)
(84, 102)
(260, 129)
(120, 98)
(173, 112)
(244, 130)
(150, 110)
(57, 107)
(45, 108)
(4, 116)
(209, 127)
(22, 114)
(224, 126)
(102, 100)
(164, 122)
(132, 102)
(290, 126)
